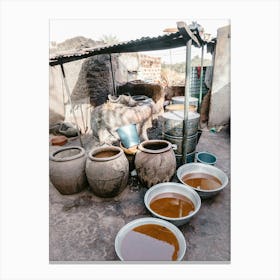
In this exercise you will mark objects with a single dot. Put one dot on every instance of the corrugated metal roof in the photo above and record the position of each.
(168, 41)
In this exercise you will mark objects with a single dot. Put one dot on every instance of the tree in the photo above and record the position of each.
(109, 39)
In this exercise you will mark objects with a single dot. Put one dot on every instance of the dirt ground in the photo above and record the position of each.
(83, 227)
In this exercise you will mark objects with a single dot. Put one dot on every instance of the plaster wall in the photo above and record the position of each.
(219, 112)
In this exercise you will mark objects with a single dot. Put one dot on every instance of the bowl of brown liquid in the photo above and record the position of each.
(173, 202)
(150, 239)
(205, 179)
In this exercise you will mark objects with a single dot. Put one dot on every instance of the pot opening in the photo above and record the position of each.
(105, 154)
(155, 146)
(67, 153)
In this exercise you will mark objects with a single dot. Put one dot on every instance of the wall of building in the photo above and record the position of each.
(59, 105)
(56, 98)
(219, 111)
(149, 69)
(90, 82)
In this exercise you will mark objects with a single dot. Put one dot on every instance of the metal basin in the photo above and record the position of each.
(174, 122)
(177, 188)
(178, 141)
(144, 221)
(203, 168)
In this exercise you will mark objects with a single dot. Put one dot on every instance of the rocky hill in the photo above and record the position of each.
(73, 44)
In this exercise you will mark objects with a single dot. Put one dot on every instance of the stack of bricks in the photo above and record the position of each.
(149, 68)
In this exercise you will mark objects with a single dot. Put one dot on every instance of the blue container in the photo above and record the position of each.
(128, 135)
(206, 158)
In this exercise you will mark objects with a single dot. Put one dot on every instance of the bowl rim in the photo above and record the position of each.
(94, 151)
(53, 154)
(150, 220)
(142, 147)
(180, 185)
(205, 152)
(207, 166)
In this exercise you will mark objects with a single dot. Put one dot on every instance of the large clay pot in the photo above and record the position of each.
(155, 162)
(67, 169)
(107, 171)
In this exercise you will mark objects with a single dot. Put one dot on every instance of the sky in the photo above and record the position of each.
(125, 30)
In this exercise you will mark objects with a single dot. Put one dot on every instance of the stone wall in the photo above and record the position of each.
(95, 80)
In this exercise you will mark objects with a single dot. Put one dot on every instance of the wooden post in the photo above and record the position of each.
(113, 77)
(69, 97)
(186, 106)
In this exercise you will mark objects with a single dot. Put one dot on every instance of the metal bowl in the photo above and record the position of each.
(203, 168)
(143, 221)
(173, 188)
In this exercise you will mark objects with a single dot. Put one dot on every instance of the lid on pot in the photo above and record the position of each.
(181, 99)
(179, 115)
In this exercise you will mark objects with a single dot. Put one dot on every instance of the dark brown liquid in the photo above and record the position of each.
(150, 243)
(172, 205)
(155, 146)
(202, 181)
(106, 154)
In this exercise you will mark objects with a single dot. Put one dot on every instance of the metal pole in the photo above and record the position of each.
(201, 79)
(69, 97)
(113, 78)
(186, 106)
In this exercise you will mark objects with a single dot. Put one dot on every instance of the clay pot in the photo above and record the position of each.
(130, 155)
(107, 171)
(155, 162)
(67, 169)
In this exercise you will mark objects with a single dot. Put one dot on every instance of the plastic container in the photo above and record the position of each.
(206, 158)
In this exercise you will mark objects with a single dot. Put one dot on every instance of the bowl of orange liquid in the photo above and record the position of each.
(205, 179)
(150, 239)
(173, 202)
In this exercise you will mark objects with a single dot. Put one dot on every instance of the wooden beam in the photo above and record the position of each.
(186, 32)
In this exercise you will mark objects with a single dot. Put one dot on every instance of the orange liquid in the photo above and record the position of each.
(150, 243)
(172, 205)
(202, 181)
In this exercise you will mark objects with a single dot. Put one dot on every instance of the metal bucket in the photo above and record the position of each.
(181, 100)
(173, 123)
(191, 142)
(190, 158)
(128, 135)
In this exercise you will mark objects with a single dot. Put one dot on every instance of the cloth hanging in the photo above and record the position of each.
(198, 70)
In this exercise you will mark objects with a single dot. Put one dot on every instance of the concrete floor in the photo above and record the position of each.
(83, 227)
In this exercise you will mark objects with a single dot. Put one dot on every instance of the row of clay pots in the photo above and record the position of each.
(106, 169)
